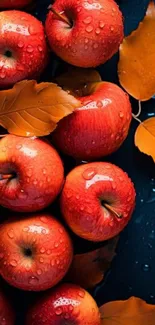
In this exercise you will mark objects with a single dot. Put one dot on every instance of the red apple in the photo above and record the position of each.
(99, 127)
(31, 173)
(84, 33)
(97, 200)
(35, 252)
(7, 315)
(23, 48)
(12, 4)
(67, 304)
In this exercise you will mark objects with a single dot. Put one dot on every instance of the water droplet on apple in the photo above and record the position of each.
(13, 263)
(113, 185)
(81, 293)
(41, 260)
(79, 9)
(101, 24)
(30, 49)
(40, 48)
(22, 195)
(145, 267)
(2, 75)
(89, 29)
(57, 261)
(58, 311)
(97, 31)
(113, 9)
(44, 171)
(77, 197)
(70, 308)
(112, 28)
(99, 103)
(29, 173)
(86, 40)
(33, 280)
(95, 46)
(52, 262)
(56, 245)
(48, 252)
(121, 114)
(42, 250)
(39, 271)
(35, 182)
(44, 219)
(86, 47)
(61, 230)
(88, 174)
(10, 234)
(111, 223)
(20, 44)
(87, 20)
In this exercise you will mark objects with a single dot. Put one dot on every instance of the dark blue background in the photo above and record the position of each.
(133, 269)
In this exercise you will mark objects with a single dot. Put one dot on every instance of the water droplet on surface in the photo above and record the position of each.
(20, 44)
(42, 250)
(88, 174)
(30, 49)
(87, 20)
(95, 46)
(13, 263)
(2, 75)
(58, 311)
(33, 280)
(86, 40)
(112, 29)
(29, 173)
(113, 185)
(99, 103)
(56, 245)
(10, 234)
(81, 294)
(79, 9)
(89, 29)
(41, 260)
(70, 308)
(40, 48)
(146, 267)
(48, 252)
(97, 31)
(101, 24)
(44, 219)
(39, 272)
(121, 114)
(44, 171)
(35, 182)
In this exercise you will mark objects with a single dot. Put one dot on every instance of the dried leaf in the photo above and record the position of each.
(31, 109)
(88, 269)
(133, 311)
(145, 137)
(75, 80)
(136, 66)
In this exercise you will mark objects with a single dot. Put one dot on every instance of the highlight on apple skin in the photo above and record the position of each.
(66, 304)
(97, 200)
(14, 4)
(7, 314)
(31, 173)
(23, 48)
(99, 127)
(35, 251)
(85, 34)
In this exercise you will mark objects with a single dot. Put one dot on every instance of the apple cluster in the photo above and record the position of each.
(96, 199)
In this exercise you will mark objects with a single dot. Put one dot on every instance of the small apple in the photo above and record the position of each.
(31, 173)
(7, 315)
(35, 252)
(99, 127)
(84, 33)
(97, 200)
(23, 48)
(66, 304)
(12, 4)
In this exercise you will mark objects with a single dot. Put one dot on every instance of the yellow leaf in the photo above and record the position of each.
(75, 80)
(88, 269)
(31, 109)
(136, 68)
(145, 137)
(133, 311)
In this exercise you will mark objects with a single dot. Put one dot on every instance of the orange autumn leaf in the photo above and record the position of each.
(136, 68)
(75, 80)
(88, 269)
(145, 137)
(31, 109)
(133, 311)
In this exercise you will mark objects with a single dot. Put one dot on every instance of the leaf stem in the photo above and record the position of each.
(135, 116)
(61, 16)
(116, 214)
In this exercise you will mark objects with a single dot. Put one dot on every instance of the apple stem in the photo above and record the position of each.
(63, 18)
(108, 207)
(5, 176)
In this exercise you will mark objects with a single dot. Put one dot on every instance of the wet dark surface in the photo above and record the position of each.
(133, 269)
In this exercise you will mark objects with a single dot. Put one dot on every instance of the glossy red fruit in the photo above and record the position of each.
(67, 304)
(97, 200)
(7, 315)
(99, 127)
(31, 173)
(23, 48)
(35, 252)
(12, 4)
(93, 35)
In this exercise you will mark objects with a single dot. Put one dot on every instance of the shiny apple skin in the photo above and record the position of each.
(96, 33)
(99, 127)
(7, 314)
(39, 173)
(22, 35)
(14, 4)
(67, 304)
(86, 187)
(50, 247)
